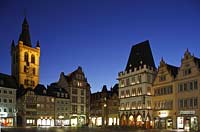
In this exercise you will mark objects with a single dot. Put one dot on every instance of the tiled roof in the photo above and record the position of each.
(7, 81)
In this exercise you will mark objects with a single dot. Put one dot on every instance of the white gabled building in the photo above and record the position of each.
(8, 109)
(135, 87)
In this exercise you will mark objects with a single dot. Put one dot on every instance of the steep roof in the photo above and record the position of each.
(7, 81)
(52, 90)
(197, 61)
(173, 69)
(140, 55)
(39, 89)
(25, 34)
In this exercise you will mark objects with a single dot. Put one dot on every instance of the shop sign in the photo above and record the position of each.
(187, 112)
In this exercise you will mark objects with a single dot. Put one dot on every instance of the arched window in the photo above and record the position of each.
(33, 59)
(26, 56)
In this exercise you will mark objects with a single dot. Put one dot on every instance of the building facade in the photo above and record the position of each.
(62, 105)
(164, 99)
(135, 87)
(27, 107)
(188, 89)
(176, 94)
(45, 106)
(78, 88)
(25, 59)
(104, 107)
(8, 110)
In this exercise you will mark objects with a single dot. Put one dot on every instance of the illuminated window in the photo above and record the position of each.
(127, 106)
(140, 91)
(122, 94)
(133, 105)
(127, 93)
(133, 92)
(122, 106)
(148, 91)
(133, 80)
(122, 83)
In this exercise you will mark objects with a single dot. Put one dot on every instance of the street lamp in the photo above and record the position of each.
(105, 105)
(15, 116)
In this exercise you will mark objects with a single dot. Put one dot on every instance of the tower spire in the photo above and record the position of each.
(25, 35)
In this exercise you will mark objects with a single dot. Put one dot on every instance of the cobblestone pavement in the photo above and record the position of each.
(71, 129)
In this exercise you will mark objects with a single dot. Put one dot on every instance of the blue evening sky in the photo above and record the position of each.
(98, 34)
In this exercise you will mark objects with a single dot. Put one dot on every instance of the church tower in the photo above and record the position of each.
(25, 59)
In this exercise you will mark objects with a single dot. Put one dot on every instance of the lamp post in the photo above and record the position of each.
(105, 122)
(15, 116)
